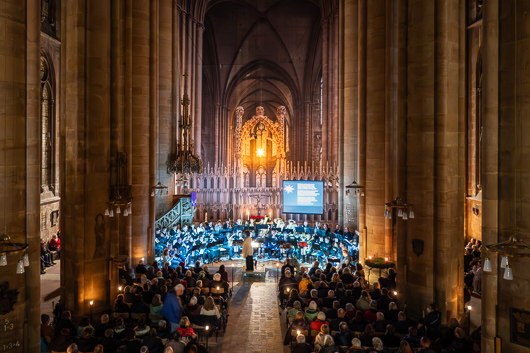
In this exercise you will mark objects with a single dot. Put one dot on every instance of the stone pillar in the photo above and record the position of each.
(375, 125)
(325, 93)
(361, 118)
(20, 158)
(141, 112)
(449, 145)
(490, 171)
(87, 129)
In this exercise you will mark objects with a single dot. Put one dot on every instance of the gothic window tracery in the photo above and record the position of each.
(47, 127)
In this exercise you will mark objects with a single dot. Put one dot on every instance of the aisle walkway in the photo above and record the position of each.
(254, 322)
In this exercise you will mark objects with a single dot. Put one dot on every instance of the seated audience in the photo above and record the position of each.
(301, 346)
(344, 336)
(299, 324)
(83, 324)
(378, 345)
(61, 341)
(364, 301)
(184, 327)
(209, 308)
(402, 325)
(153, 343)
(311, 312)
(87, 342)
(119, 305)
(329, 346)
(103, 325)
(389, 338)
(142, 329)
(319, 339)
(66, 322)
(366, 337)
(371, 314)
(380, 324)
(355, 346)
(46, 330)
(376, 293)
(192, 308)
(109, 343)
(321, 320)
(359, 323)
(425, 342)
(140, 306)
(176, 343)
(293, 297)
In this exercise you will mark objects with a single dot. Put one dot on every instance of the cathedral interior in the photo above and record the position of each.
(118, 117)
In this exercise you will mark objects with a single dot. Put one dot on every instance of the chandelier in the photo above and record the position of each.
(513, 247)
(120, 195)
(8, 248)
(404, 210)
(358, 190)
(186, 162)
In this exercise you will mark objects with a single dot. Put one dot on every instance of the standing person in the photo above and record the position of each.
(247, 251)
(172, 309)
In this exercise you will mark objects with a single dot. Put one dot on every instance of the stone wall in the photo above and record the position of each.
(20, 167)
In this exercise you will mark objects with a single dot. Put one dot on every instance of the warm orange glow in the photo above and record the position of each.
(260, 152)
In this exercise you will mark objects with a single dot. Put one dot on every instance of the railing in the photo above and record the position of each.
(181, 213)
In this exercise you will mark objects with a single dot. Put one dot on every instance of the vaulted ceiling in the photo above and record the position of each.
(262, 52)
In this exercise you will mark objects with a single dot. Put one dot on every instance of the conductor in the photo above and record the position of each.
(247, 251)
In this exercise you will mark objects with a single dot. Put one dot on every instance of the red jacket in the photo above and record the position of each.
(55, 244)
(184, 332)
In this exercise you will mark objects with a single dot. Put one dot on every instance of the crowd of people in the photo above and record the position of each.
(472, 269)
(334, 310)
(274, 240)
(163, 310)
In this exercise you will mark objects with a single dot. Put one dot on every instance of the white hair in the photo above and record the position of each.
(193, 300)
(354, 342)
(179, 287)
(378, 344)
(217, 277)
(313, 305)
(162, 323)
(321, 316)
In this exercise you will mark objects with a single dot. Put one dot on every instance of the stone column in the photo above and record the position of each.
(361, 118)
(141, 145)
(490, 171)
(20, 158)
(87, 131)
(348, 111)
(325, 93)
(375, 125)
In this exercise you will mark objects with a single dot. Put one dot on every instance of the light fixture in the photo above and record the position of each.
(25, 259)
(159, 190)
(91, 302)
(207, 327)
(20, 267)
(504, 261)
(469, 307)
(260, 152)
(404, 209)
(7, 247)
(395, 293)
(508, 274)
(513, 247)
(120, 194)
(184, 162)
(487, 265)
(357, 189)
(119, 288)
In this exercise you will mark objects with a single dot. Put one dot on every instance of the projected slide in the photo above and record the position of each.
(305, 197)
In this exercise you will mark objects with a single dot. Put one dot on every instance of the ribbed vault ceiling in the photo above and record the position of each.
(261, 52)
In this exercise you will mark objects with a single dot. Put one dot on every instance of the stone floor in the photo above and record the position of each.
(254, 322)
(50, 284)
